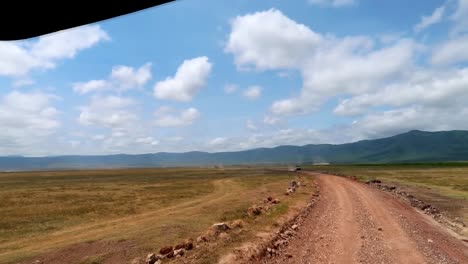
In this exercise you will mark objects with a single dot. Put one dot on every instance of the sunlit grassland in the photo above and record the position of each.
(43, 211)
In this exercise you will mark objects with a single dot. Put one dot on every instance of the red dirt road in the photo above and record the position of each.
(354, 223)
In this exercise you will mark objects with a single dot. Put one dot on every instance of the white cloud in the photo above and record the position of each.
(66, 43)
(190, 77)
(389, 38)
(147, 140)
(401, 120)
(230, 88)
(20, 57)
(427, 21)
(276, 138)
(107, 111)
(333, 3)
(329, 66)
(252, 92)
(165, 117)
(90, 86)
(251, 125)
(217, 141)
(346, 66)
(270, 120)
(127, 77)
(452, 51)
(121, 78)
(460, 18)
(27, 119)
(428, 88)
(269, 40)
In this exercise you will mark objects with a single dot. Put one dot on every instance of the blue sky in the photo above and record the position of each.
(220, 76)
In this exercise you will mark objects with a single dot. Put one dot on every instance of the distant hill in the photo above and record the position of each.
(413, 146)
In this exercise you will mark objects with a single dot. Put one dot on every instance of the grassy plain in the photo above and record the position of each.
(444, 185)
(47, 211)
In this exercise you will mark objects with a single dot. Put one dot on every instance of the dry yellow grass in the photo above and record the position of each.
(45, 211)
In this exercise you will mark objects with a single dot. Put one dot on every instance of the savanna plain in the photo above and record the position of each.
(113, 216)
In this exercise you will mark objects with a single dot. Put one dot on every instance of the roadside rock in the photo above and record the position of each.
(276, 201)
(151, 258)
(237, 224)
(293, 184)
(179, 252)
(424, 206)
(188, 245)
(220, 227)
(373, 181)
(254, 210)
(273, 246)
(202, 239)
(171, 254)
(165, 250)
(179, 246)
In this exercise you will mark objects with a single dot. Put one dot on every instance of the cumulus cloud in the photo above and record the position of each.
(395, 121)
(328, 65)
(269, 40)
(107, 111)
(460, 18)
(451, 51)
(288, 136)
(251, 125)
(217, 141)
(427, 21)
(369, 73)
(28, 119)
(428, 88)
(147, 140)
(20, 57)
(271, 120)
(370, 126)
(121, 78)
(122, 129)
(252, 92)
(168, 117)
(333, 3)
(190, 77)
(90, 86)
(127, 77)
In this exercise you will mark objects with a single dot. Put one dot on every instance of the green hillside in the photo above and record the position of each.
(413, 146)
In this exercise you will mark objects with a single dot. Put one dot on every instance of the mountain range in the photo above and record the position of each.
(412, 146)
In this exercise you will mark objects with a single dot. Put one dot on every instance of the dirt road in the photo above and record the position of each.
(354, 223)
